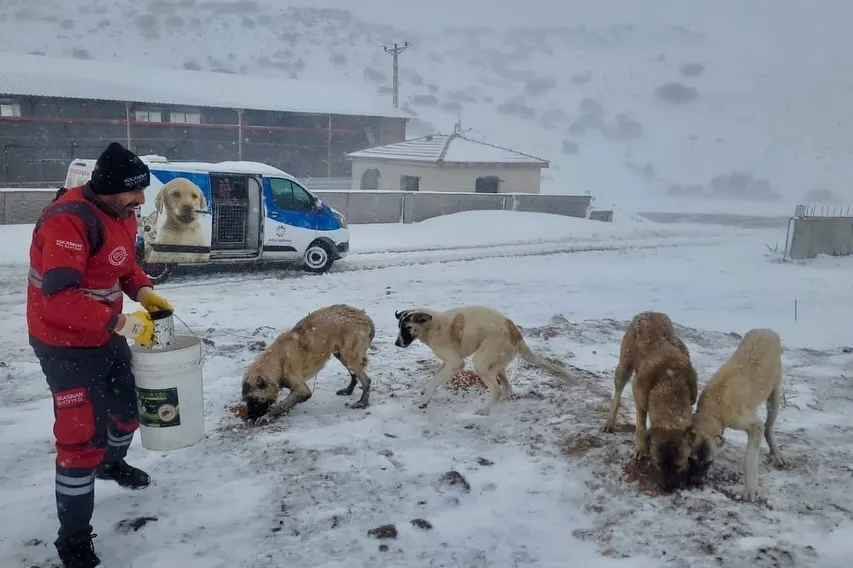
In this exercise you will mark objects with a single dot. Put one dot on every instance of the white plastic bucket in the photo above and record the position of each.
(170, 394)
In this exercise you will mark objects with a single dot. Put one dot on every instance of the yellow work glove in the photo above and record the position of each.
(152, 301)
(138, 327)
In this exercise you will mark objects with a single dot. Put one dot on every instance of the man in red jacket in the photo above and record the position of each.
(81, 261)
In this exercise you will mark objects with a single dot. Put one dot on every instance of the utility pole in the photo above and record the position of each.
(395, 52)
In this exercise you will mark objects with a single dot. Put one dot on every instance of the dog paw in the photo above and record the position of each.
(639, 455)
(343, 392)
(359, 404)
(607, 429)
(264, 420)
(778, 461)
(749, 494)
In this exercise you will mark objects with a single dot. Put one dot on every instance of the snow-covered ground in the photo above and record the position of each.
(546, 487)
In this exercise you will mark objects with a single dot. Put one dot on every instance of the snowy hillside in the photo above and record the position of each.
(707, 109)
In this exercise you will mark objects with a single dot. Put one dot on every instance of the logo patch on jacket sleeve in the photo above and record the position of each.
(70, 245)
(70, 398)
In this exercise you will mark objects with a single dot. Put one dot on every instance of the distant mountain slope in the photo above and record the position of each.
(631, 113)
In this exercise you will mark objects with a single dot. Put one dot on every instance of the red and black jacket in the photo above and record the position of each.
(81, 260)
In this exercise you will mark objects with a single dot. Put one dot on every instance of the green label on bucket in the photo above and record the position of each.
(158, 408)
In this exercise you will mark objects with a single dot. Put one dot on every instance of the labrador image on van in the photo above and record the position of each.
(198, 213)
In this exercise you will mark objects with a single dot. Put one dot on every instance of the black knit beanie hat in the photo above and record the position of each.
(119, 170)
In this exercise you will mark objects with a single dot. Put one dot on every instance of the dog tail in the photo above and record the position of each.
(525, 353)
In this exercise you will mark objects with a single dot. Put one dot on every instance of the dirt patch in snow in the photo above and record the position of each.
(710, 525)
(704, 527)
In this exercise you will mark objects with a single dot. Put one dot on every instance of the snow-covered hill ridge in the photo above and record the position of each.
(631, 113)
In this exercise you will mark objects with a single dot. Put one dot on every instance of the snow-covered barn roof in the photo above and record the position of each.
(447, 149)
(37, 75)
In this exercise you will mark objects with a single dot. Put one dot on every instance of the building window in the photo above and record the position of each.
(370, 179)
(487, 184)
(190, 117)
(410, 183)
(148, 116)
(9, 108)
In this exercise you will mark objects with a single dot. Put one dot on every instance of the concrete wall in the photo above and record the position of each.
(556, 204)
(603, 215)
(447, 178)
(414, 206)
(366, 206)
(24, 206)
(811, 236)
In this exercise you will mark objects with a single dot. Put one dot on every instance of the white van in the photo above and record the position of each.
(229, 212)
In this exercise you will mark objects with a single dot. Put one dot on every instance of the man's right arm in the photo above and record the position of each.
(65, 253)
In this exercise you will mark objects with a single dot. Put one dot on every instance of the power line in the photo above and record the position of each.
(395, 52)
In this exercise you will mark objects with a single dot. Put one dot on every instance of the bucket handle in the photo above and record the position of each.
(186, 326)
(201, 337)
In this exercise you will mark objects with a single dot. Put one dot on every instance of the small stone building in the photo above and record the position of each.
(448, 163)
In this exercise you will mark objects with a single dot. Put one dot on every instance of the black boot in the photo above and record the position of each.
(78, 552)
(124, 474)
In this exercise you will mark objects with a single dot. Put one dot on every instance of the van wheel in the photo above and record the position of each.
(318, 258)
(157, 272)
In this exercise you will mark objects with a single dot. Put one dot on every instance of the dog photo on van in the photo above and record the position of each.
(177, 227)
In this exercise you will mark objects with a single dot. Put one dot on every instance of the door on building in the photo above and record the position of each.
(487, 184)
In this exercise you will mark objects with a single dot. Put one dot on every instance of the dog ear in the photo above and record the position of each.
(158, 201)
(203, 200)
(421, 317)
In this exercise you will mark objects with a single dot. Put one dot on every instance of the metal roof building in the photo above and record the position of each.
(448, 149)
(53, 110)
(41, 76)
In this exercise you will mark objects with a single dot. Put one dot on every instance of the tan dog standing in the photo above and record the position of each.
(752, 375)
(486, 335)
(181, 200)
(665, 389)
(299, 354)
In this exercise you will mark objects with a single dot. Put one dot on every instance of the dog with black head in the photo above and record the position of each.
(665, 388)
(487, 336)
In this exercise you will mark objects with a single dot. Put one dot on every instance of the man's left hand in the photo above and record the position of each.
(152, 301)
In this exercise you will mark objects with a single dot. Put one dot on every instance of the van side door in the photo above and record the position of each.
(289, 219)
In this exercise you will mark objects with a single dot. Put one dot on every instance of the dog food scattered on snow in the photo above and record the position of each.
(644, 473)
(466, 380)
(240, 411)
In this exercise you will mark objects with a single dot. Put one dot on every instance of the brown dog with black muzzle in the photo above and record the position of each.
(487, 336)
(299, 354)
(665, 389)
